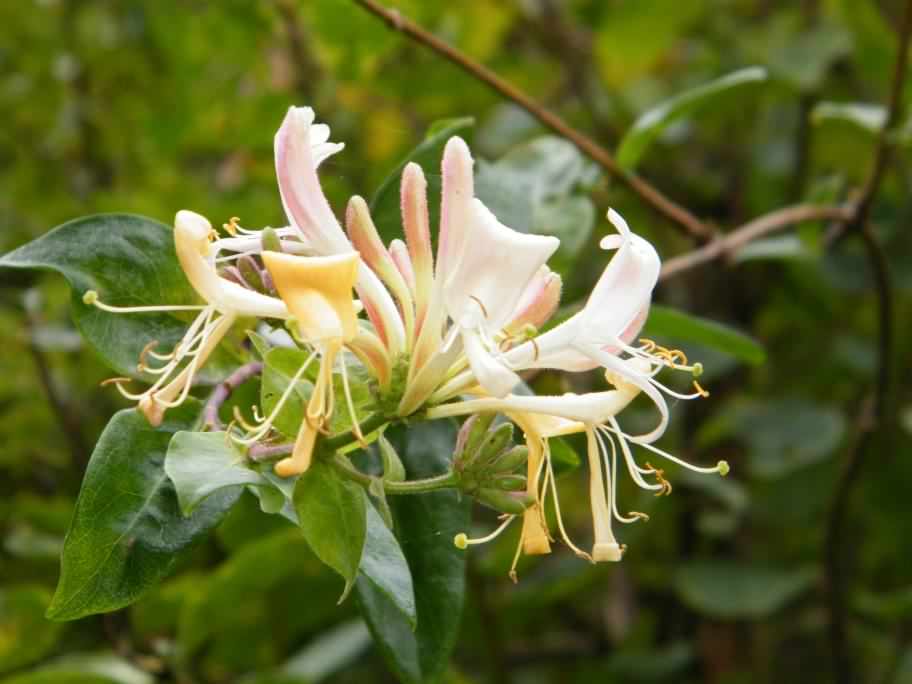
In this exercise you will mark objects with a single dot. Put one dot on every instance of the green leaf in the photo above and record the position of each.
(384, 566)
(127, 528)
(425, 526)
(240, 596)
(665, 322)
(868, 119)
(202, 463)
(329, 653)
(25, 635)
(84, 668)
(130, 261)
(728, 590)
(333, 517)
(385, 204)
(653, 122)
(782, 435)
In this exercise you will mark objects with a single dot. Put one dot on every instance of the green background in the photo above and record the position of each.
(150, 107)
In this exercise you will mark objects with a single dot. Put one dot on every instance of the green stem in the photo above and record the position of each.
(445, 481)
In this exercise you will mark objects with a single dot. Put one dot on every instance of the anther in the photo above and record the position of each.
(480, 304)
(702, 392)
(113, 381)
(232, 226)
(639, 516)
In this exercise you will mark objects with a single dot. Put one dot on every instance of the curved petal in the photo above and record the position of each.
(496, 266)
(296, 160)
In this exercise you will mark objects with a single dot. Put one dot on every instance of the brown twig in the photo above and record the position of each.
(869, 418)
(674, 212)
(762, 226)
(220, 394)
(873, 409)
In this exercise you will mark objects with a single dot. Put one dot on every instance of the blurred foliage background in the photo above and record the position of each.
(150, 107)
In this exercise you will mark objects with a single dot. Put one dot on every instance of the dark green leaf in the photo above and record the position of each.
(25, 635)
(425, 526)
(385, 204)
(201, 463)
(130, 261)
(727, 590)
(665, 322)
(652, 123)
(127, 528)
(332, 514)
(385, 567)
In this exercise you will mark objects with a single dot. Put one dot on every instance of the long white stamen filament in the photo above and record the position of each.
(90, 298)
(560, 522)
(611, 469)
(346, 390)
(221, 325)
(705, 470)
(267, 424)
(462, 541)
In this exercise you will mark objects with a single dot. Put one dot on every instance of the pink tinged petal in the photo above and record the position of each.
(538, 302)
(371, 352)
(491, 374)
(296, 168)
(624, 288)
(381, 310)
(497, 265)
(363, 233)
(455, 206)
(400, 254)
(415, 222)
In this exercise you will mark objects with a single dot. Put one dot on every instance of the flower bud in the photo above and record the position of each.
(513, 504)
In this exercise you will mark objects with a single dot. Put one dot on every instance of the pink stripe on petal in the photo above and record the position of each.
(455, 206)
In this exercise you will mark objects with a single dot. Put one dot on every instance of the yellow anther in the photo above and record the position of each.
(722, 467)
(660, 477)
(648, 345)
(90, 297)
(461, 541)
(144, 353)
(535, 347)
(232, 226)
(114, 381)
(639, 516)
(480, 304)
(702, 392)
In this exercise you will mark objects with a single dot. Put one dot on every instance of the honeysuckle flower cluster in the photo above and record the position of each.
(439, 336)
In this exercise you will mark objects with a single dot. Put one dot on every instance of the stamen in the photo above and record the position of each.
(480, 304)
(702, 392)
(346, 390)
(462, 541)
(232, 226)
(256, 413)
(90, 298)
(255, 433)
(660, 476)
(560, 522)
(240, 420)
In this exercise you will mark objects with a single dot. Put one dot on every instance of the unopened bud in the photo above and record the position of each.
(504, 502)
(251, 273)
(393, 470)
(513, 458)
(510, 483)
(270, 240)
